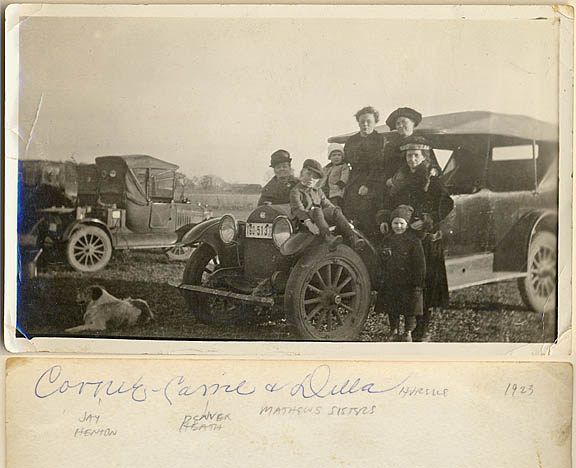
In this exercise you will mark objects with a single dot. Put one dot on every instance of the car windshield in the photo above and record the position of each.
(161, 184)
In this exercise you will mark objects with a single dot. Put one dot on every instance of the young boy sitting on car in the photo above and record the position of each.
(311, 207)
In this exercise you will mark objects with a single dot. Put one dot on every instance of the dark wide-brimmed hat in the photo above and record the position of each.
(279, 156)
(415, 143)
(402, 211)
(407, 112)
(315, 167)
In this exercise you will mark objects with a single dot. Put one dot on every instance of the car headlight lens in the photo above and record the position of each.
(281, 231)
(228, 229)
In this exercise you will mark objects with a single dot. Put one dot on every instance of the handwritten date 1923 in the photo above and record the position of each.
(515, 390)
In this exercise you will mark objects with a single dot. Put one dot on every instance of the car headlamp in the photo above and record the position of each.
(228, 229)
(281, 230)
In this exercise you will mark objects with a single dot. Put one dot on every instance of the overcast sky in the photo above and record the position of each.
(219, 95)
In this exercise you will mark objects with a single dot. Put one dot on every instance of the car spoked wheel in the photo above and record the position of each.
(179, 253)
(207, 309)
(538, 289)
(328, 295)
(89, 249)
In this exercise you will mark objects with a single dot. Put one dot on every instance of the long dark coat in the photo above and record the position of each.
(431, 203)
(403, 274)
(366, 159)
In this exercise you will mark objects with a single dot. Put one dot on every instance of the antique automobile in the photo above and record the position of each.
(120, 202)
(266, 265)
(502, 172)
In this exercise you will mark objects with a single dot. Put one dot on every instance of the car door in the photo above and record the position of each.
(161, 193)
(467, 228)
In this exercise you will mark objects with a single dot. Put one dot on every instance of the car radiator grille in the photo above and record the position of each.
(187, 218)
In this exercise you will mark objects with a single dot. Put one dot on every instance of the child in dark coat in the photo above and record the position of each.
(400, 292)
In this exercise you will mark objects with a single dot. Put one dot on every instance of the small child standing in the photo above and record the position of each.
(336, 175)
(400, 292)
(309, 204)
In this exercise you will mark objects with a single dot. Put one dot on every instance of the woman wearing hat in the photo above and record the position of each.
(403, 120)
(364, 152)
(414, 185)
(277, 190)
(336, 175)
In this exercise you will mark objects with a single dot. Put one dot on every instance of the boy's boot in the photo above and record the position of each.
(409, 325)
(394, 320)
(344, 227)
(317, 216)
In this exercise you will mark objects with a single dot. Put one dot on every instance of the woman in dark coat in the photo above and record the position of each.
(403, 121)
(364, 153)
(414, 184)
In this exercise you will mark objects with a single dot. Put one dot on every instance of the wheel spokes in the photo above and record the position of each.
(344, 283)
(314, 300)
(338, 274)
(314, 312)
(318, 275)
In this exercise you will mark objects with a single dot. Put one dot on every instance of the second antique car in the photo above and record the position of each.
(502, 172)
(120, 202)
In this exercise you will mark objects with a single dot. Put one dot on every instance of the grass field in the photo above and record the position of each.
(237, 204)
(47, 306)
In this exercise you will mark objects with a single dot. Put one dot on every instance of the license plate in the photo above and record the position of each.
(259, 230)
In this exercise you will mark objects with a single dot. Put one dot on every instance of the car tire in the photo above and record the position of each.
(89, 249)
(179, 253)
(328, 295)
(209, 310)
(539, 288)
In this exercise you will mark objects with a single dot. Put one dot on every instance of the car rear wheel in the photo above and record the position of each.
(179, 253)
(328, 295)
(538, 288)
(89, 249)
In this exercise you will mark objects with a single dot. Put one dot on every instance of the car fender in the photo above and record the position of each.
(302, 243)
(206, 231)
(87, 222)
(512, 251)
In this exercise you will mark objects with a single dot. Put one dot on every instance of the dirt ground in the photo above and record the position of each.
(47, 306)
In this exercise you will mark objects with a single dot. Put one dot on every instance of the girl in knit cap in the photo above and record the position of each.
(400, 292)
(415, 185)
(336, 175)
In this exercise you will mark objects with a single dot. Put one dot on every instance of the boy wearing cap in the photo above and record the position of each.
(311, 207)
(336, 174)
(277, 190)
(400, 292)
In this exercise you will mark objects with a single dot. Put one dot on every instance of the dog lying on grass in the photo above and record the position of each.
(105, 312)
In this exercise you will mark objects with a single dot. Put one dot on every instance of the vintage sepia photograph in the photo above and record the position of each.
(362, 174)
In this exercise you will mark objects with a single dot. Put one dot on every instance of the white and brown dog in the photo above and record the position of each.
(104, 311)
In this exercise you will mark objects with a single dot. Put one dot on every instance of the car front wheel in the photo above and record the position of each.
(179, 253)
(328, 295)
(89, 249)
(538, 288)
